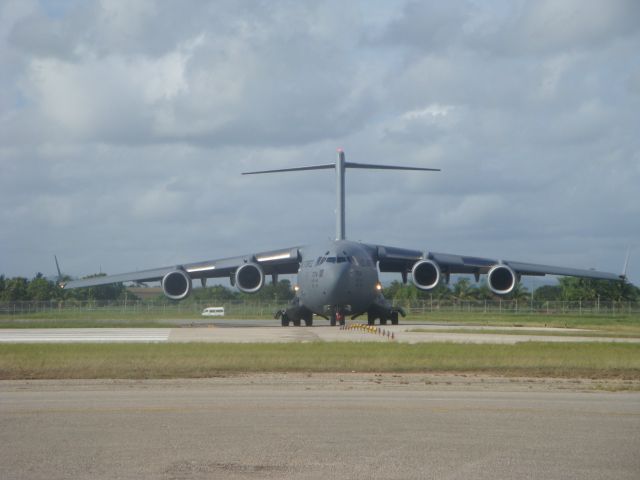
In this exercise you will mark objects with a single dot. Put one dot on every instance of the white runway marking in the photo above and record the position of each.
(85, 335)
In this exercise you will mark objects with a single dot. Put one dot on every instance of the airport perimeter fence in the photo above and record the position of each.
(253, 309)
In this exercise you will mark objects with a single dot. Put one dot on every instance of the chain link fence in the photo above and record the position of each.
(579, 307)
(248, 309)
(165, 308)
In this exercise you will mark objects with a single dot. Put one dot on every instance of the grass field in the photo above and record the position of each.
(196, 360)
(598, 333)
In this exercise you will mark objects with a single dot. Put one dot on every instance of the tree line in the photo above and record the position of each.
(40, 288)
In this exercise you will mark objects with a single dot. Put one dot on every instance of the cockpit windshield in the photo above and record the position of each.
(338, 259)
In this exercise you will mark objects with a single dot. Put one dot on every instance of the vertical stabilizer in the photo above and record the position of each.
(340, 208)
(340, 167)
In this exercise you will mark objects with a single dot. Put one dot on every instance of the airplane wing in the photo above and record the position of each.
(274, 262)
(393, 259)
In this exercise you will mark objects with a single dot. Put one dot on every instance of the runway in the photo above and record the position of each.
(84, 335)
(243, 331)
(316, 427)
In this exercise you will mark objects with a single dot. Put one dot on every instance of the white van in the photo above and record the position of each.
(213, 312)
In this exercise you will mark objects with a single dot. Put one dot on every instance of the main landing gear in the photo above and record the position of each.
(288, 317)
(393, 316)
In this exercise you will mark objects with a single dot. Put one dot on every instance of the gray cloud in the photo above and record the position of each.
(124, 128)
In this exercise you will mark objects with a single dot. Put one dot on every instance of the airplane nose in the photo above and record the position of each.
(340, 282)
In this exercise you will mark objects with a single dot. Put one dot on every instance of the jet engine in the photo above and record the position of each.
(249, 278)
(176, 284)
(426, 274)
(501, 279)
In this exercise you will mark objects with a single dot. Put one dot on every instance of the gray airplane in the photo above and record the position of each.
(340, 278)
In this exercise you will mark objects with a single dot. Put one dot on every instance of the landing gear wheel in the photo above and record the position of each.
(394, 318)
(332, 321)
(383, 321)
(285, 320)
(308, 321)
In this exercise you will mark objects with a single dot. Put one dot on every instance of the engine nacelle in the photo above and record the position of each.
(249, 278)
(425, 274)
(176, 285)
(501, 279)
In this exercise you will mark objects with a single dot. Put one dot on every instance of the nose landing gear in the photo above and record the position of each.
(337, 318)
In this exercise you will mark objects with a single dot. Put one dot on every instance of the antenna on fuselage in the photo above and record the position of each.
(340, 167)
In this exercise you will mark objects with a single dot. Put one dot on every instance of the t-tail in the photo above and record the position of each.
(340, 167)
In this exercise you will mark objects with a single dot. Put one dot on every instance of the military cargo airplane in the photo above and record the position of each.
(339, 278)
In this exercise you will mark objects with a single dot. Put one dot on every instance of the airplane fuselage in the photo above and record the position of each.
(339, 276)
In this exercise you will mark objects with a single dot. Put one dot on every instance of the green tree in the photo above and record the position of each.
(40, 289)
(392, 290)
(401, 293)
(547, 293)
(15, 289)
(215, 293)
(519, 292)
(617, 291)
(483, 292)
(281, 292)
(439, 292)
(462, 290)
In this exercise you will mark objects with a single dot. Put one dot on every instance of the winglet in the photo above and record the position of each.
(626, 265)
(61, 284)
(58, 267)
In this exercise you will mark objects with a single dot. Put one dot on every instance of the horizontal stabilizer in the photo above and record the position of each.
(346, 165)
(294, 169)
(387, 167)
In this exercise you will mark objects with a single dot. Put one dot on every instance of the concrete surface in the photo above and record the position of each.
(317, 427)
(251, 332)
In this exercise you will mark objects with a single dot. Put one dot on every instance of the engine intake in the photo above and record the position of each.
(501, 279)
(176, 284)
(426, 274)
(249, 278)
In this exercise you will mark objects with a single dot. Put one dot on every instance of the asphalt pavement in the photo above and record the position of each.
(316, 427)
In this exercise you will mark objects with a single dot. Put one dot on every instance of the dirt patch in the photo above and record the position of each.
(346, 381)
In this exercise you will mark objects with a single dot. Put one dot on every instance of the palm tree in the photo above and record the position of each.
(463, 290)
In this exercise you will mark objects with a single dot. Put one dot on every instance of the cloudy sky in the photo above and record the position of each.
(124, 126)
